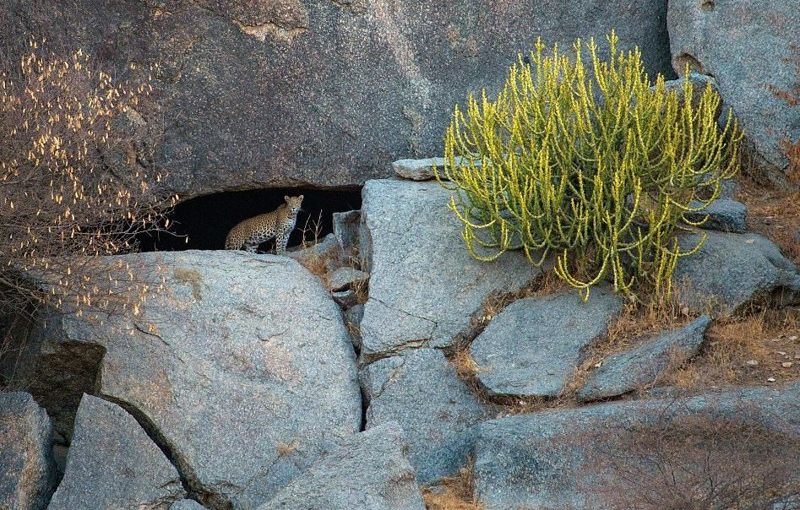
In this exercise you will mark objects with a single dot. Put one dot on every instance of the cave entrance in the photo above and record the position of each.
(202, 223)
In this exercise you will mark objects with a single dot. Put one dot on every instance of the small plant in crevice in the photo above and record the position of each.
(455, 492)
(589, 164)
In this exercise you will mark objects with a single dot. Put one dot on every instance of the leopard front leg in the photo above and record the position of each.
(281, 240)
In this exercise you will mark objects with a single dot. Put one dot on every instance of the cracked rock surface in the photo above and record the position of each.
(421, 391)
(641, 365)
(241, 368)
(112, 463)
(26, 464)
(731, 270)
(583, 458)
(424, 285)
(533, 346)
(366, 471)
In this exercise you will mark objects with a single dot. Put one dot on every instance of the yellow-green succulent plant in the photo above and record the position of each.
(590, 163)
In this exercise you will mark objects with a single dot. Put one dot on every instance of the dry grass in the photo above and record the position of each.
(316, 265)
(762, 347)
(361, 288)
(636, 323)
(792, 151)
(322, 264)
(453, 493)
(465, 365)
(775, 214)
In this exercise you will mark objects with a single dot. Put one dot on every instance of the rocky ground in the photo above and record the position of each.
(251, 382)
(383, 368)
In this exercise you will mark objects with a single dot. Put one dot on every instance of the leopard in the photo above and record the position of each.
(250, 233)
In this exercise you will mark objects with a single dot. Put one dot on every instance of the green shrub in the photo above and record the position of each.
(589, 163)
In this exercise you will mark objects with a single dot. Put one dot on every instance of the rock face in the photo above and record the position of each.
(732, 270)
(532, 347)
(319, 92)
(632, 369)
(186, 504)
(112, 463)
(724, 214)
(26, 464)
(424, 285)
(716, 37)
(347, 277)
(421, 391)
(242, 365)
(588, 458)
(369, 470)
(346, 230)
(418, 169)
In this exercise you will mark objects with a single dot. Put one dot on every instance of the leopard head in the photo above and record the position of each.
(293, 204)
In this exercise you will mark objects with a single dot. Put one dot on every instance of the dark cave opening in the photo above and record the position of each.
(202, 223)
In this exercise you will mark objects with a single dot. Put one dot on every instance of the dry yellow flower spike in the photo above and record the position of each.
(66, 197)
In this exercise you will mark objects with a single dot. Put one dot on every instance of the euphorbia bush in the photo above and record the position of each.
(589, 162)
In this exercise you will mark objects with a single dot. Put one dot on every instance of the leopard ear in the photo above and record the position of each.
(300, 197)
(286, 198)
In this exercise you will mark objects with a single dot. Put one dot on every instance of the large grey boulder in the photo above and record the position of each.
(533, 346)
(716, 37)
(241, 364)
(643, 364)
(27, 469)
(421, 391)
(368, 471)
(112, 463)
(732, 270)
(424, 286)
(314, 92)
(590, 457)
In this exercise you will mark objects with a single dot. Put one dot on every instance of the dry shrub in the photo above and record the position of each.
(453, 493)
(322, 263)
(312, 231)
(706, 461)
(317, 265)
(73, 183)
(746, 350)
